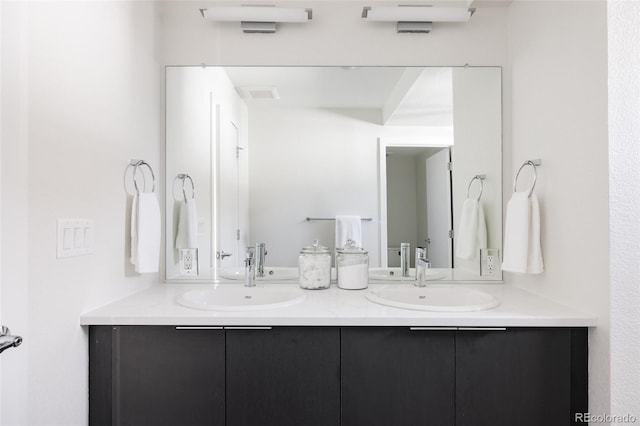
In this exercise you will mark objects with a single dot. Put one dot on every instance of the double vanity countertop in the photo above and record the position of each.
(158, 305)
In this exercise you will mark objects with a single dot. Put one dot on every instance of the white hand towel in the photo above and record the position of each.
(472, 230)
(348, 228)
(522, 251)
(145, 233)
(187, 235)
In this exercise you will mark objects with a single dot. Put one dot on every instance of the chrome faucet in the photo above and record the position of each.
(405, 255)
(7, 340)
(250, 267)
(261, 252)
(422, 263)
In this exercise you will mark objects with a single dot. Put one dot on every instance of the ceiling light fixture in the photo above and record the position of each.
(257, 19)
(416, 19)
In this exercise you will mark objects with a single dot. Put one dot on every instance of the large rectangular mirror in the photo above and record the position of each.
(273, 154)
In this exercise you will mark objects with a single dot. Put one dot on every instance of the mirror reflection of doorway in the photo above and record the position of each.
(419, 203)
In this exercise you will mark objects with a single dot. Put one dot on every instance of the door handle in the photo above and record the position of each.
(221, 254)
(433, 328)
(482, 329)
(198, 328)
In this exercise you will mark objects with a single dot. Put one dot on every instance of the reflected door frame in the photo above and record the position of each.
(383, 144)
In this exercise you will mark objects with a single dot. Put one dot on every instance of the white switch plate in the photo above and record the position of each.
(75, 237)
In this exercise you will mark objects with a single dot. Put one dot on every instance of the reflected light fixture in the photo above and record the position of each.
(257, 19)
(416, 19)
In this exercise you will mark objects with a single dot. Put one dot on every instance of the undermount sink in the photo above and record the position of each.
(433, 298)
(395, 274)
(270, 274)
(231, 297)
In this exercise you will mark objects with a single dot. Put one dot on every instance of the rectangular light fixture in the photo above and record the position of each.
(257, 18)
(417, 14)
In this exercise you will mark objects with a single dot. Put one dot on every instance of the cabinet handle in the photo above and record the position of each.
(199, 328)
(247, 328)
(482, 328)
(433, 328)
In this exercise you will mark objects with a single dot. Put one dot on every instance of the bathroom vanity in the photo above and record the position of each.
(336, 359)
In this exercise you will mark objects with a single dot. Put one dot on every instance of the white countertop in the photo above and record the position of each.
(335, 307)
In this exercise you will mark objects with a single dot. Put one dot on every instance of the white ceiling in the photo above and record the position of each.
(425, 100)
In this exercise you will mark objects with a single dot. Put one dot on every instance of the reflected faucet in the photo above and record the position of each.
(261, 252)
(405, 254)
(249, 267)
(422, 263)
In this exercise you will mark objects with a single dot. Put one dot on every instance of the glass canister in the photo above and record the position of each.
(314, 267)
(352, 267)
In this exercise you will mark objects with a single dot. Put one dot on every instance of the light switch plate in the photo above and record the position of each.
(74, 238)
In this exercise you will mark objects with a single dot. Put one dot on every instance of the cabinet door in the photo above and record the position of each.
(168, 376)
(285, 376)
(397, 376)
(517, 377)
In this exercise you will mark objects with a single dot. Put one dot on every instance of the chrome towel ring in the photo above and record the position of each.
(479, 178)
(534, 164)
(136, 164)
(184, 177)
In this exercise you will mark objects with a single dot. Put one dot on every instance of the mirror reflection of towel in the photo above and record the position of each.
(348, 228)
(522, 251)
(472, 230)
(145, 232)
(187, 235)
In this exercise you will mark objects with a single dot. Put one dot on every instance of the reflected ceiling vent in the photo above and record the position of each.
(259, 93)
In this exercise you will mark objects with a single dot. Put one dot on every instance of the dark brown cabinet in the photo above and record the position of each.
(156, 375)
(285, 376)
(342, 376)
(397, 376)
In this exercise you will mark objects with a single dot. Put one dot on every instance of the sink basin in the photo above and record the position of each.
(270, 274)
(441, 299)
(394, 274)
(230, 297)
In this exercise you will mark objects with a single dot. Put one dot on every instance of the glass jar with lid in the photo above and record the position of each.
(314, 267)
(352, 267)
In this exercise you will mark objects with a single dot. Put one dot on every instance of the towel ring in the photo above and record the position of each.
(532, 163)
(137, 164)
(481, 179)
(184, 178)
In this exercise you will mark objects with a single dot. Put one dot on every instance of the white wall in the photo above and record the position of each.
(14, 307)
(624, 187)
(558, 107)
(477, 123)
(91, 99)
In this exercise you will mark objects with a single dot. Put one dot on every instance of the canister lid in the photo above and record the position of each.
(315, 248)
(351, 248)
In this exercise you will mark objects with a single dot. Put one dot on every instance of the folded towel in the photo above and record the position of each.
(145, 233)
(472, 230)
(348, 228)
(187, 235)
(522, 251)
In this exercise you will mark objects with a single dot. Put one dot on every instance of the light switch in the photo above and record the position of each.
(75, 237)
(67, 239)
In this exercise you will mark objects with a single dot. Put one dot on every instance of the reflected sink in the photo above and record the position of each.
(395, 274)
(230, 297)
(433, 298)
(270, 274)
